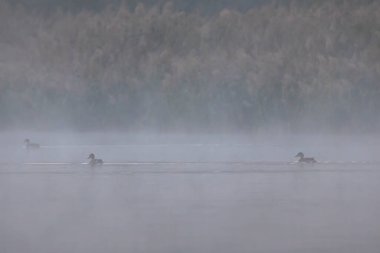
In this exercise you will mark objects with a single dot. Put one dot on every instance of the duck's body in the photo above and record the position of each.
(31, 145)
(93, 161)
(303, 159)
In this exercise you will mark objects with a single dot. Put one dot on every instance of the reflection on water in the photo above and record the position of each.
(270, 206)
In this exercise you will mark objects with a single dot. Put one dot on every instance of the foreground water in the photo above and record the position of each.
(189, 195)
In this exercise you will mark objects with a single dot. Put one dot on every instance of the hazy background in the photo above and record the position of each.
(201, 66)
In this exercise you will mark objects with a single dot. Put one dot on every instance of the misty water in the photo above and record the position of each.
(178, 193)
(154, 67)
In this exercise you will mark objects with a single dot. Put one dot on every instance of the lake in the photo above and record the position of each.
(177, 193)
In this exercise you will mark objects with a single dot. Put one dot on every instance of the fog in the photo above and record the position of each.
(293, 67)
(140, 147)
(181, 193)
(197, 111)
(287, 212)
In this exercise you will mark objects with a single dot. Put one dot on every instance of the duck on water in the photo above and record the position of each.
(303, 159)
(93, 161)
(31, 145)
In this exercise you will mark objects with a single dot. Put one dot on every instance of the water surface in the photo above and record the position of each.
(184, 195)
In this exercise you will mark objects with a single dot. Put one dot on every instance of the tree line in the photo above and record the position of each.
(294, 67)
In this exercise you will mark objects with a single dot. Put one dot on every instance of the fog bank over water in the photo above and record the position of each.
(197, 110)
(300, 67)
(235, 194)
(113, 147)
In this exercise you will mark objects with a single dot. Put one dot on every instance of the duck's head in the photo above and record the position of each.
(91, 156)
(26, 141)
(300, 155)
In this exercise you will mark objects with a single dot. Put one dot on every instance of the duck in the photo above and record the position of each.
(303, 159)
(93, 161)
(31, 145)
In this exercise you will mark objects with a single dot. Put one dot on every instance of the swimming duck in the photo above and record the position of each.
(93, 162)
(304, 159)
(31, 145)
